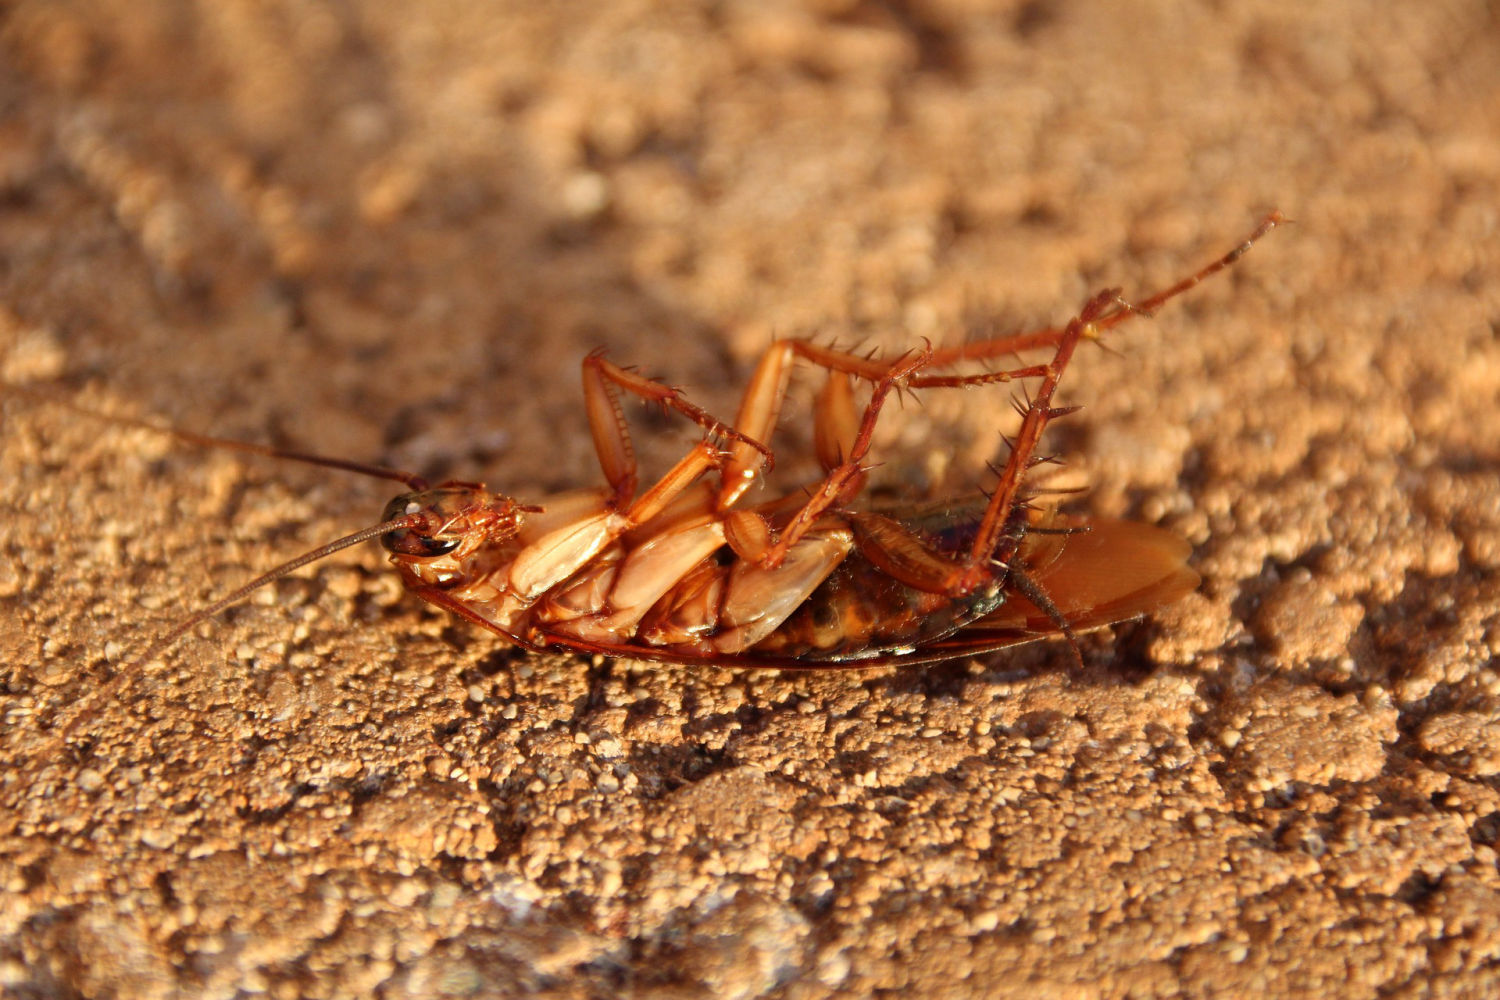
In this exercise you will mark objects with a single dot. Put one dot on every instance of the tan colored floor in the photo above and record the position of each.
(392, 230)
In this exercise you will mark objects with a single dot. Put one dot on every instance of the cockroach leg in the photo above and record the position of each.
(977, 350)
(995, 543)
(602, 380)
(761, 407)
(837, 426)
(844, 481)
(1033, 592)
(989, 548)
(835, 421)
(1104, 311)
(704, 456)
(843, 451)
(546, 562)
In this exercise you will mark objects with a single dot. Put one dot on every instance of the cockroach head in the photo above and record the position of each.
(450, 520)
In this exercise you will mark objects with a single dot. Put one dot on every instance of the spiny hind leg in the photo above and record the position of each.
(890, 546)
(837, 422)
(843, 441)
(843, 438)
(994, 543)
(1122, 311)
(843, 444)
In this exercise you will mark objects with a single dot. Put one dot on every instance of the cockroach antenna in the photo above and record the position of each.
(182, 628)
(134, 669)
(53, 397)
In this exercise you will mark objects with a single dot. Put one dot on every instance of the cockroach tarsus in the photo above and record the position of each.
(685, 571)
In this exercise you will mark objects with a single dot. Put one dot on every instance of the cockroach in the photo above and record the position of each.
(686, 571)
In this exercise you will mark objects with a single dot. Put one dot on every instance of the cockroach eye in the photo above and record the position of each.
(408, 541)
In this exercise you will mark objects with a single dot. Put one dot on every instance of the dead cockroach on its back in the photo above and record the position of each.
(685, 570)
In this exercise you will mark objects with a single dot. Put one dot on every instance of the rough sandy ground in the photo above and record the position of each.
(391, 231)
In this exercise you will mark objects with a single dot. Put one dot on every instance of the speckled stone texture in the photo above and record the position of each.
(391, 231)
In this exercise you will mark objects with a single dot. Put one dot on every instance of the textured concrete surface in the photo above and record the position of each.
(391, 231)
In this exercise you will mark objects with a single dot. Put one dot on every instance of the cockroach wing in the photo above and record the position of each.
(1113, 572)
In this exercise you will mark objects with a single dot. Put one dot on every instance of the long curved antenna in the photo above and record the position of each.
(412, 480)
(245, 590)
(85, 707)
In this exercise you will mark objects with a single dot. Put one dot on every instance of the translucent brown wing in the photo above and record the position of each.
(1115, 571)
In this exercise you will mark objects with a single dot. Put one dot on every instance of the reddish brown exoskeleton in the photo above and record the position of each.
(686, 571)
